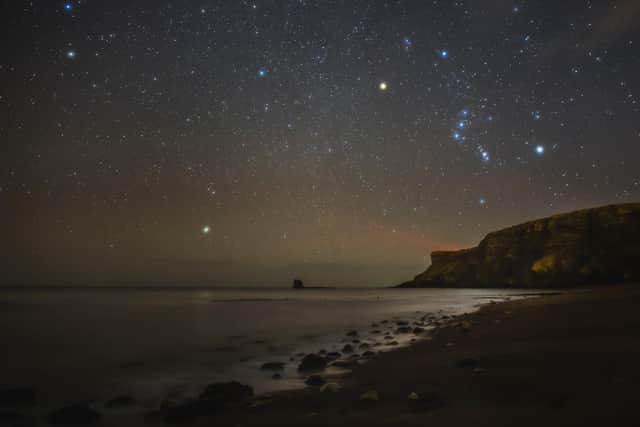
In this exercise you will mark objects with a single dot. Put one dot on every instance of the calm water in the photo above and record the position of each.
(96, 343)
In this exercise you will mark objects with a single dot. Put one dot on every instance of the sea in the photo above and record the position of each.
(91, 344)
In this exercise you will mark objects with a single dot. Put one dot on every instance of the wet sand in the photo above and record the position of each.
(570, 359)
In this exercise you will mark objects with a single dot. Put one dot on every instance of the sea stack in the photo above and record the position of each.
(590, 246)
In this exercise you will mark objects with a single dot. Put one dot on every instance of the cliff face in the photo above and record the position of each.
(600, 245)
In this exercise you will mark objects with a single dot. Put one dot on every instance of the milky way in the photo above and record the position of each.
(205, 141)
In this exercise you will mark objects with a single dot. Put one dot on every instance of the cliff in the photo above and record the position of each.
(591, 246)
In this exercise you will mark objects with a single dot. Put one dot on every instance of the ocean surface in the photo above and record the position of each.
(93, 344)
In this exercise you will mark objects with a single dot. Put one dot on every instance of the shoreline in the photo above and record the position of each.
(564, 359)
(530, 359)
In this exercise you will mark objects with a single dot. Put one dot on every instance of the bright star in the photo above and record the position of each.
(482, 201)
(540, 149)
(68, 7)
(262, 72)
(383, 86)
(407, 42)
(444, 54)
(206, 229)
(464, 113)
(71, 54)
(461, 124)
(485, 155)
(457, 136)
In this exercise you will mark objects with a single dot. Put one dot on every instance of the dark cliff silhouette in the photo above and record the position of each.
(590, 246)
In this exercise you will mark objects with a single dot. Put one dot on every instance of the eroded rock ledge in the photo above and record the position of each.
(590, 246)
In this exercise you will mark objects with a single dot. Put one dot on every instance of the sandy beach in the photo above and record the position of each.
(569, 359)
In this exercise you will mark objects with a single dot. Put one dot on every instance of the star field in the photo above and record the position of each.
(338, 140)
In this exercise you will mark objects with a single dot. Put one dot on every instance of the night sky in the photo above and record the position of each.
(247, 142)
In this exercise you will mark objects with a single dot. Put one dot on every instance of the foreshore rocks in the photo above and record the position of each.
(216, 397)
(591, 246)
(312, 362)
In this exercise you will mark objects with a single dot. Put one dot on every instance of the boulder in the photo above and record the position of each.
(352, 333)
(418, 330)
(312, 362)
(315, 380)
(371, 396)
(79, 414)
(590, 246)
(347, 348)
(330, 388)
(226, 392)
(404, 330)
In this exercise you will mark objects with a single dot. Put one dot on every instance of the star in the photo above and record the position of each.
(68, 6)
(461, 124)
(71, 54)
(457, 136)
(407, 42)
(383, 86)
(262, 72)
(444, 54)
(540, 149)
(206, 229)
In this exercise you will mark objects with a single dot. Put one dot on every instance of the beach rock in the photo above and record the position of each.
(590, 246)
(120, 402)
(364, 346)
(80, 414)
(393, 343)
(404, 330)
(226, 392)
(330, 388)
(388, 337)
(402, 323)
(352, 333)
(276, 376)
(312, 362)
(418, 330)
(371, 396)
(22, 396)
(334, 355)
(376, 331)
(273, 366)
(315, 380)
(347, 348)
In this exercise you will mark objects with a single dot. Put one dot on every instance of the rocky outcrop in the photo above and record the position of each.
(591, 246)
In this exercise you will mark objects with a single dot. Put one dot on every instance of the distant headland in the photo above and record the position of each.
(590, 246)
